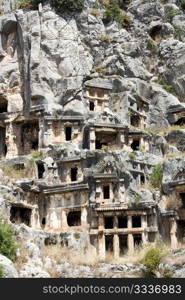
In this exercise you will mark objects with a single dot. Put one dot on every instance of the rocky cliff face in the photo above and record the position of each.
(92, 120)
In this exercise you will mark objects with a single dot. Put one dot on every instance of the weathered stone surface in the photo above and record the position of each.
(8, 267)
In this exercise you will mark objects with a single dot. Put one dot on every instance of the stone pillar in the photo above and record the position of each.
(53, 219)
(48, 134)
(64, 219)
(101, 238)
(173, 231)
(130, 239)
(130, 243)
(34, 222)
(122, 139)
(144, 226)
(116, 246)
(84, 217)
(41, 134)
(92, 137)
(101, 246)
(11, 140)
(129, 222)
(101, 223)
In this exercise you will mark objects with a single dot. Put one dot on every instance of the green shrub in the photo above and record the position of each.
(169, 88)
(76, 235)
(182, 3)
(167, 272)
(36, 154)
(156, 176)
(114, 13)
(8, 244)
(179, 32)
(171, 12)
(151, 261)
(152, 46)
(68, 5)
(132, 155)
(1, 271)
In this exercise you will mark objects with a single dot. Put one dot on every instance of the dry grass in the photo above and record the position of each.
(164, 130)
(11, 171)
(135, 258)
(99, 69)
(147, 185)
(94, 12)
(105, 38)
(105, 2)
(175, 259)
(61, 254)
(22, 258)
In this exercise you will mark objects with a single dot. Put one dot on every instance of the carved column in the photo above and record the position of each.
(173, 231)
(84, 217)
(130, 240)
(144, 226)
(116, 246)
(130, 243)
(92, 139)
(41, 134)
(64, 220)
(101, 238)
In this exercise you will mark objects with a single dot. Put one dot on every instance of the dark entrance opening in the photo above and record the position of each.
(51, 240)
(30, 136)
(91, 106)
(106, 192)
(155, 33)
(43, 221)
(109, 243)
(122, 222)
(40, 169)
(123, 244)
(3, 147)
(3, 106)
(136, 221)
(109, 222)
(142, 178)
(99, 144)
(135, 145)
(180, 122)
(20, 215)
(181, 230)
(74, 173)
(151, 237)
(74, 218)
(68, 133)
(135, 121)
(137, 239)
(182, 197)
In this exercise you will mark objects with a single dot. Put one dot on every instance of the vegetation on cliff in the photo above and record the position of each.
(8, 244)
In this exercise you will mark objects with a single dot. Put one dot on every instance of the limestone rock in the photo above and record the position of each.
(8, 267)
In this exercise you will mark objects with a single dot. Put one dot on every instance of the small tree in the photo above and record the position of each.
(156, 176)
(8, 244)
(151, 261)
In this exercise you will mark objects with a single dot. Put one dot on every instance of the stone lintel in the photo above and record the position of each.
(63, 188)
(104, 127)
(64, 118)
